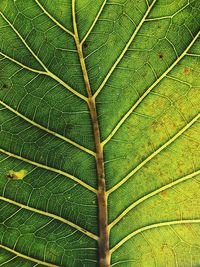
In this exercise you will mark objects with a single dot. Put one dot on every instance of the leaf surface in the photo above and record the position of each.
(92, 91)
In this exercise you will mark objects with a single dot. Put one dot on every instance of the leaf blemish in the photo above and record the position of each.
(4, 86)
(164, 194)
(160, 55)
(186, 71)
(17, 175)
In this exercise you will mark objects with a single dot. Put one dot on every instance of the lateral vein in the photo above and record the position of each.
(18, 254)
(22, 65)
(50, 169)
(48, 130)
(94, 22)
(120, 123)
(24, 42)
(125, 49)
(9, 260)
(151, 194)
(53, 19)
(155, 153)
(47, 72)
(152, 226)
(53, 216)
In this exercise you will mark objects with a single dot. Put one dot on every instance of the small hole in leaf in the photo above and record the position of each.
(160, 55)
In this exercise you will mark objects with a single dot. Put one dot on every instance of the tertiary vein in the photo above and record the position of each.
(72, 177)
(170, 16)
(130, 111)
(155, 153)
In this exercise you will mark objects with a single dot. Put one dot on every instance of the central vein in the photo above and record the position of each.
(103, 241)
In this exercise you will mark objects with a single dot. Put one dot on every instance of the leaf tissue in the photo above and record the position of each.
(99, 133)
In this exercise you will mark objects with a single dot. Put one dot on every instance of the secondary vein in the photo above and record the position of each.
(47, 71)
(155, 153)
(125, 49)
(153, 226)
(94, 22)
(54, 216)
(18, 254)
(151, 194)
(48, 130)
(75, 179)
(53, 19)
(130, 111)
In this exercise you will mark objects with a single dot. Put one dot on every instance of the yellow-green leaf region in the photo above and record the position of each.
(100, 133)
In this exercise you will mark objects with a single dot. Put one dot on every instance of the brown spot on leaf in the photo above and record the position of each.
(160, 55)
(186, 71)
(163, 247)
(164, 193)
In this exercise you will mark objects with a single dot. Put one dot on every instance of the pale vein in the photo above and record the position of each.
(18, 254)
(155, 192)
(48, 130)
(155, 153)
(125, 117)
(47, 72)
(53, 19)
(47, 214)
(152, 226)
(50, 169)
(124, 50)
(94, 22)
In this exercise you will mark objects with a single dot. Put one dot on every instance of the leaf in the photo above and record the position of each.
(100, 117)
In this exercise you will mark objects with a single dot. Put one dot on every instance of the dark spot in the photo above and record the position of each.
(186, 71)
(10, 176)
(4, 86)
(163, 247)
(85, 45)
(160, 55)
(164, 193)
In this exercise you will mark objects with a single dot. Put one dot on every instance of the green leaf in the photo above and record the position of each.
(99, 133)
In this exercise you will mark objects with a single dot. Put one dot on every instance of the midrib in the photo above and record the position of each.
(103, 241)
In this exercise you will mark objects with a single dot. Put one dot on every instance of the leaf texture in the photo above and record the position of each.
(135, 66)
